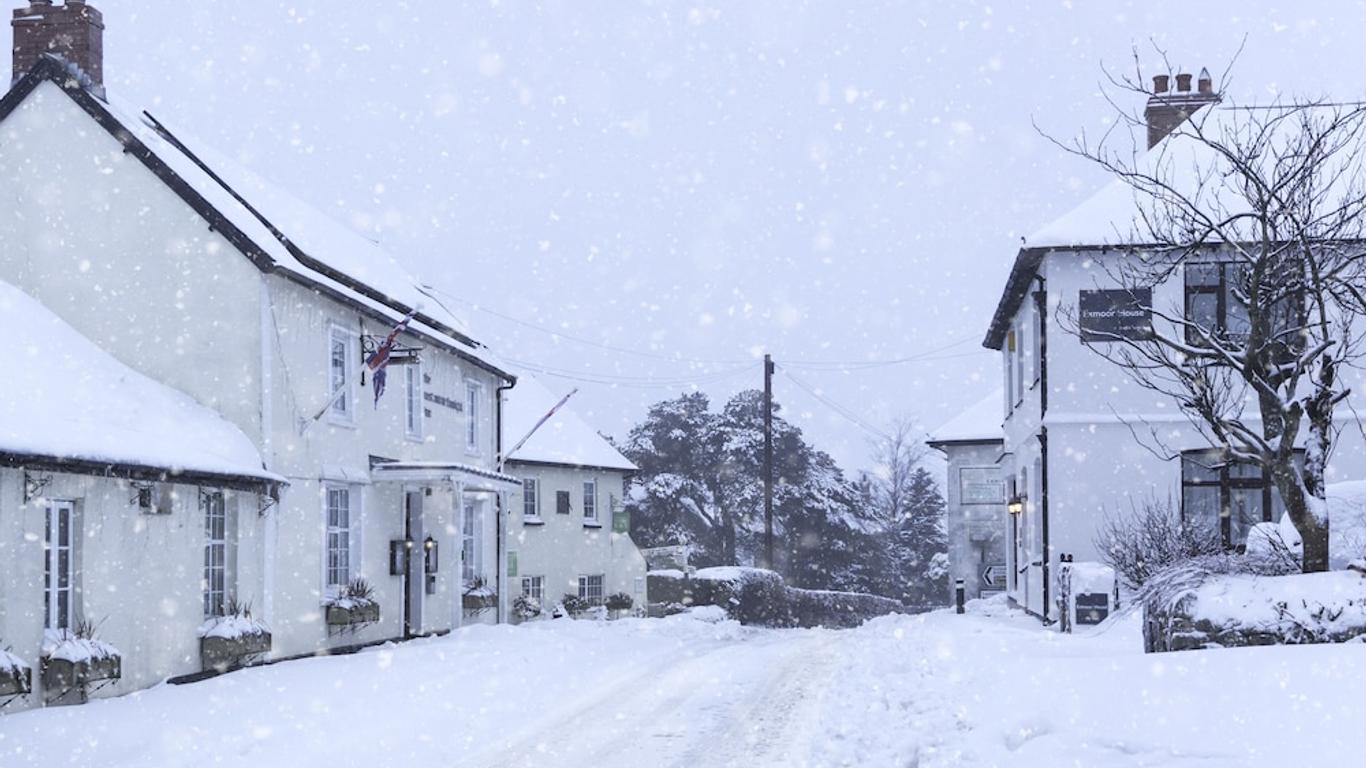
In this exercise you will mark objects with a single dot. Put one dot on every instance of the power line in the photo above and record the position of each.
(858, 365)
(836, 407)
(643, 382)
(570, 337)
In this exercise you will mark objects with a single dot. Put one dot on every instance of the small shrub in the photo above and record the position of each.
(526, 607)
(359, 589)
(1151, 539)
(574, 605)
(619, 601)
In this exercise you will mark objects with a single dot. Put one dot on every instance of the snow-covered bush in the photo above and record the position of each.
(574, 605)
(526, 607)
(1151, 538)
(478, 596)
(619, 601)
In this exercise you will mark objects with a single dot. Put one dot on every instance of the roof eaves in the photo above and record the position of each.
(263, 483)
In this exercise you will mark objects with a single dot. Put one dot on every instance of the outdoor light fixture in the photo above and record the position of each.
(399, 553)
(430, 552)
(1015, 505)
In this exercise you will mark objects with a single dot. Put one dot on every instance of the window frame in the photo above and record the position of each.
(64, 511)
(1217, 459)
(531, 499)
(217, 588)
(349, 535)
(586, 582)
(413, 425)
(345, 414)
(590, 502)
(534, 587)
(470, 555)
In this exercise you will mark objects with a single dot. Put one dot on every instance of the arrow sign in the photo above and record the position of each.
(994, 575)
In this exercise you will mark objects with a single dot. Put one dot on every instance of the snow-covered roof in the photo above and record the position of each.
(65, 399)
(981, 423)
(564, 439)
(320, 251)
(1117, 215)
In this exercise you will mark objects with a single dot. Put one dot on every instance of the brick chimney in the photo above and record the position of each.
(74, 31)
(1168, 109)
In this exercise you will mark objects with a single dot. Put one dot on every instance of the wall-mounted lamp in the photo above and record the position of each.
(430, 551)
(399, 553)
(1015, 505)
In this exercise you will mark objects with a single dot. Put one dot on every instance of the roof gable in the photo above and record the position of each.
(564, 439)
(218, 192)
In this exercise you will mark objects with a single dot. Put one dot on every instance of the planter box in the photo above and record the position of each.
(15, 682)
(62, 675)
(339, 616)
(223, 653)
(478, 602)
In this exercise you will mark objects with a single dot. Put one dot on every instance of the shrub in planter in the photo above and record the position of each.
(356, 605)
(478, 595)
(75, 658)
(225, 641)
(618, 602)
(526, 607)
(16, 677)
(575, 605)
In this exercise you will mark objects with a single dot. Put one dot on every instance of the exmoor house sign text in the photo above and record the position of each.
(1110, 315)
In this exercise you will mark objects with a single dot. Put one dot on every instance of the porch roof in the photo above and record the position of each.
(418, 471)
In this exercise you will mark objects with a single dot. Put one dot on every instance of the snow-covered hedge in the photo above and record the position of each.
(760, 597)
(1245, 609)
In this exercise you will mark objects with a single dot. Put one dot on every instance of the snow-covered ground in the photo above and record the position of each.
(989, 688)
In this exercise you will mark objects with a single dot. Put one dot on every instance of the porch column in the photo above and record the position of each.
(501, 581)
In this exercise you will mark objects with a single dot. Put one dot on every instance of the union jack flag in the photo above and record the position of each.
(378, 362)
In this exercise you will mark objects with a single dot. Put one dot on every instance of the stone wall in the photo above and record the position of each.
(758, 597)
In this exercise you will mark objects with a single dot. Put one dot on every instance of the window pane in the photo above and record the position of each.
(1200, 507)
(1202, 275)
(1202, 309)
(1245, 509)
(1203, 468)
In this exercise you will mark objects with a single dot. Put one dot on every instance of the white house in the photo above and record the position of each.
(1079, 437)
(974, 498)
(568, 534)
(124, 504)
(200, 275)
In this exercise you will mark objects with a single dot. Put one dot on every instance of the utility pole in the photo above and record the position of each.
(769, 562)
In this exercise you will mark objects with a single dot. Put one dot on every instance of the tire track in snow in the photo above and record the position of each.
(741, 704)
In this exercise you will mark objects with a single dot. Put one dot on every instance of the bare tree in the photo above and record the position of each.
(891, 487)
(1269, 202)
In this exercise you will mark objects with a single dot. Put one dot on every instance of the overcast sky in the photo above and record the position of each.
(682, 187)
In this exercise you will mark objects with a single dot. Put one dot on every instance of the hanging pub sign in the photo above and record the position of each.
(1116, 314)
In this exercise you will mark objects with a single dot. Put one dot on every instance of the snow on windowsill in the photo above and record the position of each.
(232, 627)
(62, 645)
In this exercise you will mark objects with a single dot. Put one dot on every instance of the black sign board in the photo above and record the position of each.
(1092, 607)
(1119, 314)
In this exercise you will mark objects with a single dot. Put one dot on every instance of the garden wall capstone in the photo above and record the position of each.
(760, 597)
(1244, 610)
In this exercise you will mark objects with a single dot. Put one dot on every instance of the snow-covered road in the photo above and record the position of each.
(734, 703)
(992, 688)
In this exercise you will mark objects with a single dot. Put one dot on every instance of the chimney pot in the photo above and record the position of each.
(74, 31)
(1183, 82)
(1161, 83)
(1205, 82)
(1165, 113)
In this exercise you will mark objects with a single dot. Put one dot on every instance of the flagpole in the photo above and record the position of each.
(544, 419)
(360, 371)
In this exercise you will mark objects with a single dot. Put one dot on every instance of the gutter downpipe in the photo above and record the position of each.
(1041, 303)
(502, 577)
